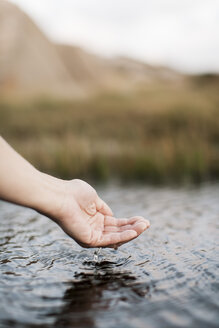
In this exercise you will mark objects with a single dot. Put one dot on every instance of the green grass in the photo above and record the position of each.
(160, 134)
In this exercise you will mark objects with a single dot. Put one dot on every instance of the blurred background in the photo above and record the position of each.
(102, 90)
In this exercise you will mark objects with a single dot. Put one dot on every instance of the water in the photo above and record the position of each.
(168, 277)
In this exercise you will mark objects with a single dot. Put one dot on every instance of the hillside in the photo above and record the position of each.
(119, 73)
(30, 64)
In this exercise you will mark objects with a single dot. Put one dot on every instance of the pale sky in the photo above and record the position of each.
(183, 34)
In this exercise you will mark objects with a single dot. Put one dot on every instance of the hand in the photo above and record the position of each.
(88, 219)
(74, 205)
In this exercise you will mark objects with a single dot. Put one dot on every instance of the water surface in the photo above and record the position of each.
(168, 277)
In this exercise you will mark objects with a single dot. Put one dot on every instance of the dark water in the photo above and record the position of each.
(166, 278)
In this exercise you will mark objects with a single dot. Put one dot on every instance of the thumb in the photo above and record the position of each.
(102, 207)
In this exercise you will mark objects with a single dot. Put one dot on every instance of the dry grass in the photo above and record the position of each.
(158, 134)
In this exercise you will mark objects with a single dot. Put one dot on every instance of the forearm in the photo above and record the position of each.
(23, 184)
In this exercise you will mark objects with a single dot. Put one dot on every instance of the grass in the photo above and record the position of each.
(158, 134)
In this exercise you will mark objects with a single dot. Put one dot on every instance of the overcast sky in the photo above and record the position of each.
(183, 34)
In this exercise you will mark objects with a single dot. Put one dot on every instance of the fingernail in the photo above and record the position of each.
(91, 209)
(133, 233)
(143, 225)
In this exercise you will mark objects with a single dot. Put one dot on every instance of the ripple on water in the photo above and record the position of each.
(168, 277)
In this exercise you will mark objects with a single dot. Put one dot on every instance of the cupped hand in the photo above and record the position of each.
(85, 217)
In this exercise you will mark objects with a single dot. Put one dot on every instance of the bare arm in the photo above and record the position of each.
(74, 204)
(20, 182)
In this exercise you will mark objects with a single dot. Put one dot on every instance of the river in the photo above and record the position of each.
(168, 277)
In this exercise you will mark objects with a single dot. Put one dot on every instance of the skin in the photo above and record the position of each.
(74, 205)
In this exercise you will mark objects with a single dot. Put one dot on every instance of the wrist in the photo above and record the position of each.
(49, 194)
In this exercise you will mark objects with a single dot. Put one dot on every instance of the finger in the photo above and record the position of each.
(111, 221)
(103, 207)
(90, 209)
(118, 229)
(139, 227)
(139, 220)
(111, 229)
(112, 238)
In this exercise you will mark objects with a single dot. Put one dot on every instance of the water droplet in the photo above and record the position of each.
(97, 254)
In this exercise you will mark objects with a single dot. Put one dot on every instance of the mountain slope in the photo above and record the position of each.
(119, 73)
(29, 62)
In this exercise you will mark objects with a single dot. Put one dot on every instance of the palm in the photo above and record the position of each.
(87, 219)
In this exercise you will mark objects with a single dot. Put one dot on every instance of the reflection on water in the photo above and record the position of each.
(168, 277)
